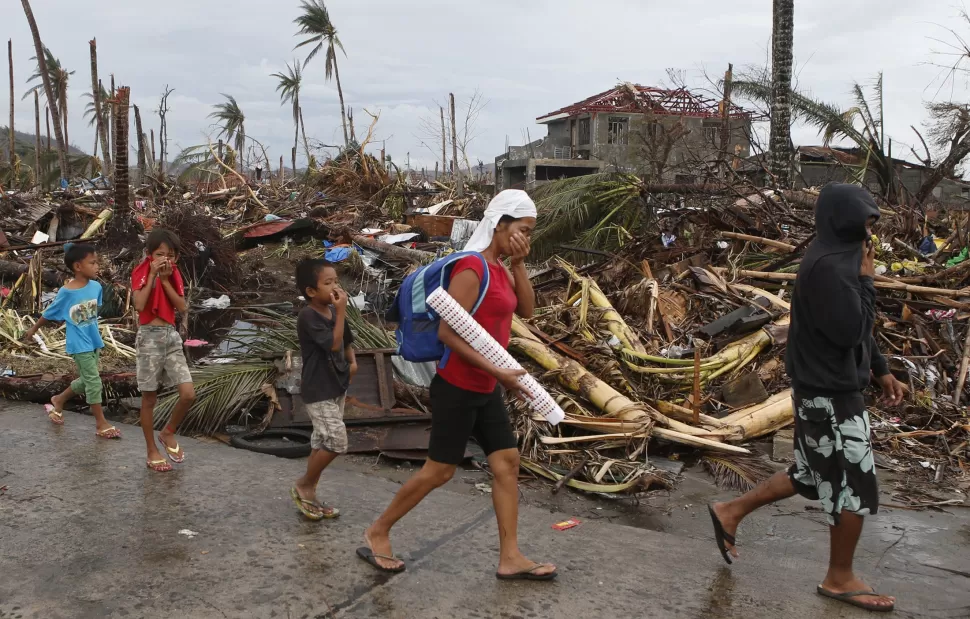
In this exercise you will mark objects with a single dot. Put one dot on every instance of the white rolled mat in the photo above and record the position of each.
(465, 326)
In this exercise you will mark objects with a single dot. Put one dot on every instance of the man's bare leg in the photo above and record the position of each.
(840, 577)
(505, 497)
(378, 536)
(731, 513)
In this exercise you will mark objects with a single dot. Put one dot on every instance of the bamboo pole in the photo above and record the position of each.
(760, 240)
(881, 285)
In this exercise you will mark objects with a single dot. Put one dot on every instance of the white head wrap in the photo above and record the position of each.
(512, 202)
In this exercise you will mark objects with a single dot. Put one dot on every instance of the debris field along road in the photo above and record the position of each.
(86, 531)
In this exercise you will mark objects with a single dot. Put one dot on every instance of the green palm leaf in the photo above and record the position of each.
(233, 122)
(583, 210)
(223, 393)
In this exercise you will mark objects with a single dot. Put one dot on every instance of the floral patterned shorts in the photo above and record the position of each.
(833, 455)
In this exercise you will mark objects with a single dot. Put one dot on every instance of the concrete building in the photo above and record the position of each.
(816, 166)
(666, 134)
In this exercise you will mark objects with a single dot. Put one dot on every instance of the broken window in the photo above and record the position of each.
(584, 131)
(712, 134)
(619, 130)
(654, 129)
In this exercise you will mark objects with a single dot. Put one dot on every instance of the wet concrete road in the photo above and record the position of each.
(87, 531)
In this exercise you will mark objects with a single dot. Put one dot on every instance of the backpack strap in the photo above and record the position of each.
(482, 290)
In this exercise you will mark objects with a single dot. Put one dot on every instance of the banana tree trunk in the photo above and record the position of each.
(765, 418)
(614, 322)
(48, 89)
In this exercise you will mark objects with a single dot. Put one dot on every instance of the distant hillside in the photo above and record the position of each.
(25, 143)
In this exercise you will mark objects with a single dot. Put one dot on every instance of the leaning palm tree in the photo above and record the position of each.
(48, 88)
(232, 120)
(58, 77)
(783, 27)
(315, 23)
(289, 88)
(861, 124)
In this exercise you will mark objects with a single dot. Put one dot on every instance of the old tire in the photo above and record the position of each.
(283, 443)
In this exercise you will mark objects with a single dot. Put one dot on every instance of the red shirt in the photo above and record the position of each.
(495, 316)
(158, 305)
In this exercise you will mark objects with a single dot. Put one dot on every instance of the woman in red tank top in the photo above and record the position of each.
(467, 394)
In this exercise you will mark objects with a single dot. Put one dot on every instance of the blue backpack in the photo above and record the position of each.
(417, 331)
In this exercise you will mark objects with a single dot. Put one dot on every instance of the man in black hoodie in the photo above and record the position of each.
(831, 358)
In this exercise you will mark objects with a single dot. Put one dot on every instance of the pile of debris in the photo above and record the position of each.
(660, 349)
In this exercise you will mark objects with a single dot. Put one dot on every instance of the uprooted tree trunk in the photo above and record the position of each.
(12, 270)
(41, 387)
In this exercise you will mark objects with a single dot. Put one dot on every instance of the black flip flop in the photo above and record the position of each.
(849, 598)
(529, 574)
(368, 555)
(721, 536)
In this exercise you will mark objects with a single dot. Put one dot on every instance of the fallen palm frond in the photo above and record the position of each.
(13, 326)
(592, 211)
(224, 392)
(741, 473)
(632, 483)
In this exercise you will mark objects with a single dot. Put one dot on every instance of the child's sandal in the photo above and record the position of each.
(159, 466)
(56, 417)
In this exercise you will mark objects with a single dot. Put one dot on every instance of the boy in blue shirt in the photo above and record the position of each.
(77, 305)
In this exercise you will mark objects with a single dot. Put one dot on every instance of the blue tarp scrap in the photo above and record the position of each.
(338, 254)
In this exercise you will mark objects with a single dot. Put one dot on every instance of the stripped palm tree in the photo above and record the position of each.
(861, 124)
(596, 211)
(58, 77)
(233, 124)
(316, 25)
(91, 114)
(289, 88)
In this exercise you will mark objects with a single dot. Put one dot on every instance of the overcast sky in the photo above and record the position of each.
(528, 57)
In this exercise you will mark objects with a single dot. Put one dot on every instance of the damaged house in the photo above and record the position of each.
(668, 135)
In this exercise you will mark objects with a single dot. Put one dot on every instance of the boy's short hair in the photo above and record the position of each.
(308, 271)
(76, 252)
(160, 235)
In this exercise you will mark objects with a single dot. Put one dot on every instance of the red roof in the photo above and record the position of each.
(673, 102)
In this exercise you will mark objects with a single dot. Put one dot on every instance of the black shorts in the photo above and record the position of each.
(458, 413)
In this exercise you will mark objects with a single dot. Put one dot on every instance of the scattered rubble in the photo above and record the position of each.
(664, 344)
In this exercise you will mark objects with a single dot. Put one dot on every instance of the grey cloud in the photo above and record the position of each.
(528, 58)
